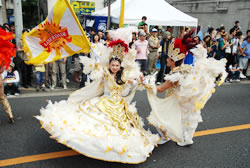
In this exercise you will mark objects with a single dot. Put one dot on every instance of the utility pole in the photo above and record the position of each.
(1, 13)
(18, 15)
(108, 24)
(122, 13)
(38, 11)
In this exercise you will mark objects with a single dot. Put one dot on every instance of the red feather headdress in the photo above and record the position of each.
(120, 48)
(120, 43)
(7, 49)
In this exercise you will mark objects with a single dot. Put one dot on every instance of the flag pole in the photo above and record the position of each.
(122, 13)
(108, 24)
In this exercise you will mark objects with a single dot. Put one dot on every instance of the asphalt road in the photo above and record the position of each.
(229, 106)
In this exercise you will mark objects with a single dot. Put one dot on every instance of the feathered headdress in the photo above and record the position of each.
(175, 53)
(120, 48)
(7, 49)
(101, 55)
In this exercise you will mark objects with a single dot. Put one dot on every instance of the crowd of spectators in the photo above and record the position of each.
(233, 45)
(151, 46)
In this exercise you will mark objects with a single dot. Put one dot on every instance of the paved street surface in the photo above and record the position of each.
(229, 106)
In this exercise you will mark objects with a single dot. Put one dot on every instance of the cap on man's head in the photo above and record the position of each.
(142, 33)
(166, 33)
(154, 30)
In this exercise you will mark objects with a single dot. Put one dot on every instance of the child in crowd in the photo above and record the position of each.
(234, 72)
(11, 81)
(40, 77)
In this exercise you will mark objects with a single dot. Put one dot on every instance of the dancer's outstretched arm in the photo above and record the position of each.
(166, 85)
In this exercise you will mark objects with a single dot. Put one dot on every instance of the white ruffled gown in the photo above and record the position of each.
(179, 113)
(97, 121)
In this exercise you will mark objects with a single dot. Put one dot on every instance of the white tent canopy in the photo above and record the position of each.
(158, 12)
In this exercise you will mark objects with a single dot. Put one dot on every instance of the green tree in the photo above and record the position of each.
(30, 13)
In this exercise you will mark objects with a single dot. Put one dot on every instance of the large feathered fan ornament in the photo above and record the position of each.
(7, 49)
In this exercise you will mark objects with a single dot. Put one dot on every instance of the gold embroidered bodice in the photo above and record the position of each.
(111, 88)
(113, 104)
(183, 69)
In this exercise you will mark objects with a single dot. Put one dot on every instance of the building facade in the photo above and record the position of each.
(216, 12)
(99, 4)
(6, 11)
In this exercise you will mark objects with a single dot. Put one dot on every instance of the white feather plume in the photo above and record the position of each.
(124, 34)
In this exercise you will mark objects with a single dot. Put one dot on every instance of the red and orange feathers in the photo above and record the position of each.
(119, 42)
(7, 49)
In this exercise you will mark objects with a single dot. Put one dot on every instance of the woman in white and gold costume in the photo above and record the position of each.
(188, 88)
(98, 120)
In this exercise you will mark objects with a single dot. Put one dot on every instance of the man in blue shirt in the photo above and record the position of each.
(245, 55)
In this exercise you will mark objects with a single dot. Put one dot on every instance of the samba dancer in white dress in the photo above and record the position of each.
(188, 88)
(98, 120)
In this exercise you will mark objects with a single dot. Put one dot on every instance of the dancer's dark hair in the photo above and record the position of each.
(178, 63)
(118, 75)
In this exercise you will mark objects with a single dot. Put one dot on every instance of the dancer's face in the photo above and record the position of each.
(170, 62)
(114, 66)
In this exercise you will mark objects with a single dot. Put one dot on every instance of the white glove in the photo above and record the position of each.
(149, 81)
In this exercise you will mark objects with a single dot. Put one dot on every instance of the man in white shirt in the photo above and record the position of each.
(11, 80)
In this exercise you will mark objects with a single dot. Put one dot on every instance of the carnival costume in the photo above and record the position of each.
(178, 114)
(7, 50)
(98, 120)
(186, 44)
